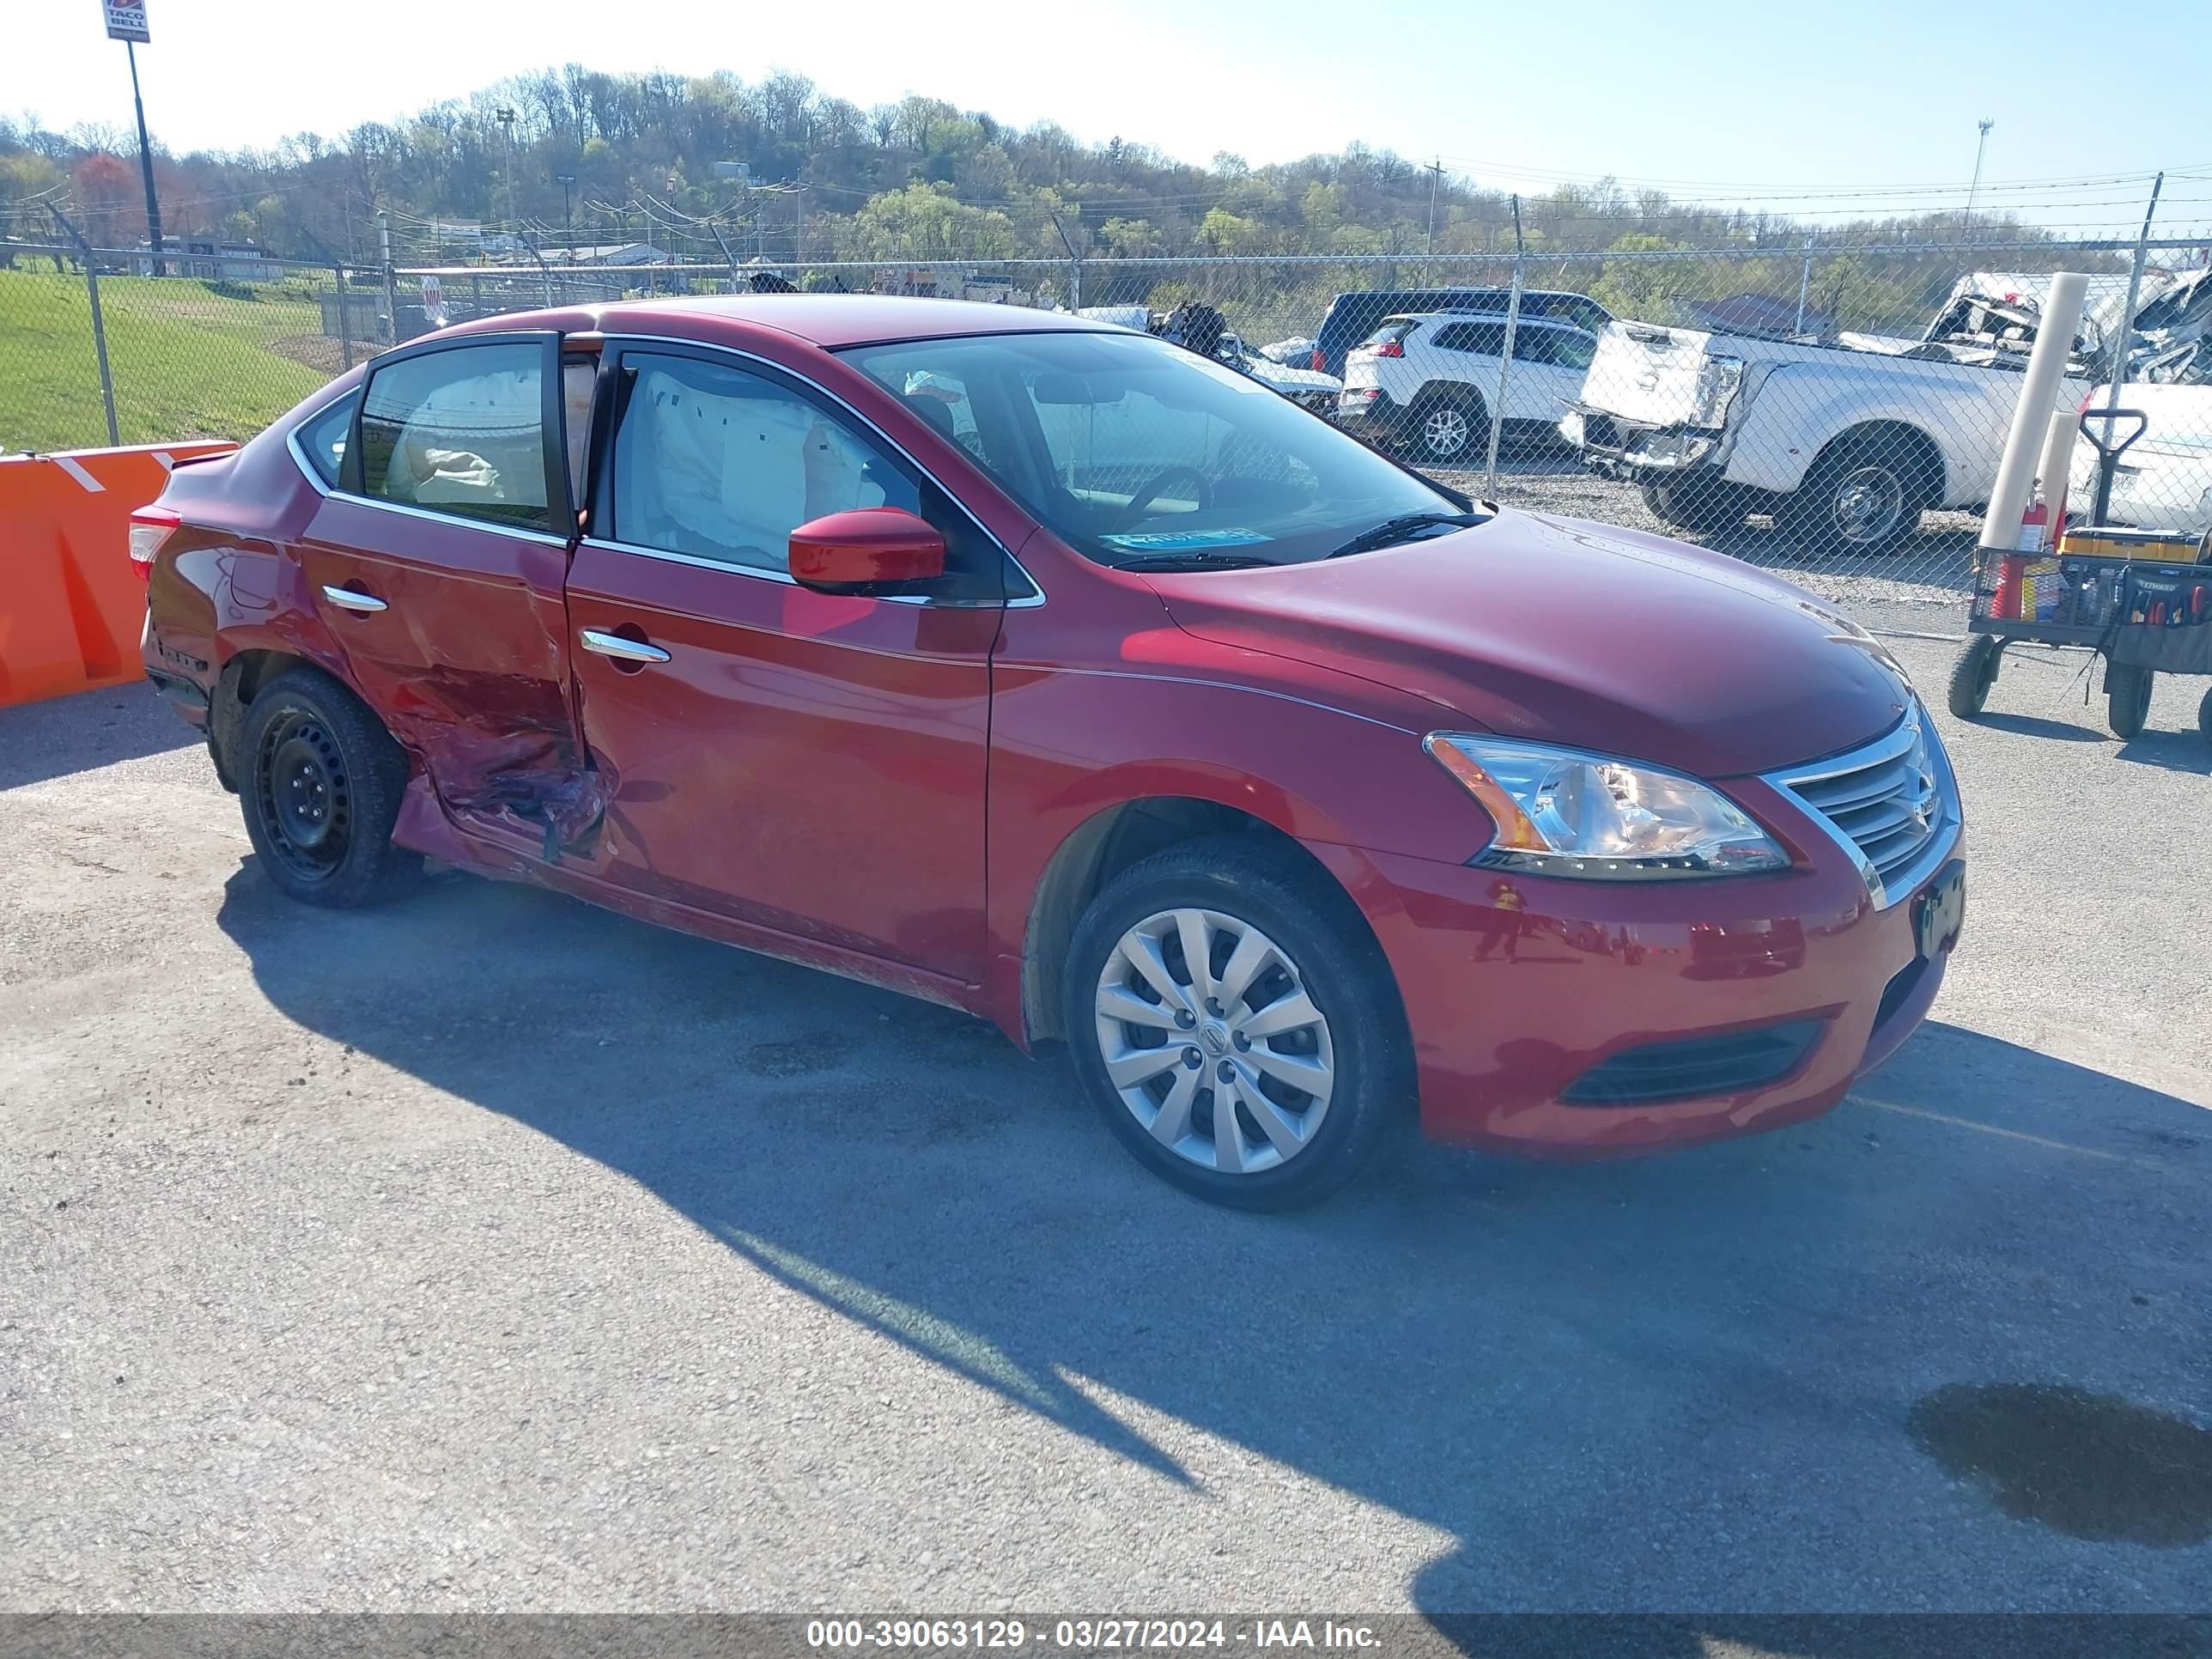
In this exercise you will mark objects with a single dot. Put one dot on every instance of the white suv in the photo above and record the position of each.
(1429, 380)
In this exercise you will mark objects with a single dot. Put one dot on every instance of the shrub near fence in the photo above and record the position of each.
(1813, 434)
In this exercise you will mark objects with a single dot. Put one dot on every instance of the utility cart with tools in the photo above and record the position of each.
(2141, 599)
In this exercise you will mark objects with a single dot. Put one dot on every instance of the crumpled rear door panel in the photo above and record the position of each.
(467, 664)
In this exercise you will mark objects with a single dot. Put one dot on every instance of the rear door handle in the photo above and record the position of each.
(622, 649)
(346, 599)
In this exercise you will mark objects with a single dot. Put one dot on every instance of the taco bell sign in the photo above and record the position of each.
(126, 20)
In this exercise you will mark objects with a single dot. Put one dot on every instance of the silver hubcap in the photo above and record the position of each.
(1445, 431)
(1212, 1042)
(1868, 503)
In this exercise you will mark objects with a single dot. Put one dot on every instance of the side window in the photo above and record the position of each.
(1575, 350)
(1537, 345)
(460, 431)
(323, 438)
(720, 464)
(1482, 339)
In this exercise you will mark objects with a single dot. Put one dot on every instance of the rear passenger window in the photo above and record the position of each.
(1482, 339)
(460, 431)
(720, 464)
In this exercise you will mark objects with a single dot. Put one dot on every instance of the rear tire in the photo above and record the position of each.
(2127, 699)
(320, 785)
(1702, 506)
(1444, 428)
(1973, 674)
(2204, 717)
(1862, 496)
(1274, 1090)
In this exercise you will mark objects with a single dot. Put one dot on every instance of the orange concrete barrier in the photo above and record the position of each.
(71, 603)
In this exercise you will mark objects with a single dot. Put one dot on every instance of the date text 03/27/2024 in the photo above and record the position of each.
(1095, 1635)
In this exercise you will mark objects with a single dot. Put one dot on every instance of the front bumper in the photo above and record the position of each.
(1518, 990)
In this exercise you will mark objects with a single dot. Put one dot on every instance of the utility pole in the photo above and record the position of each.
(1435, 171)
(568, 183)
(1974, 189)
(127, 22)
(505, 116)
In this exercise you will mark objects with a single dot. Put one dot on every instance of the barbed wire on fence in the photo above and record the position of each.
(1832, 411)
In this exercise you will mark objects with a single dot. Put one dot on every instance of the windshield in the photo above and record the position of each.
(1129, 449)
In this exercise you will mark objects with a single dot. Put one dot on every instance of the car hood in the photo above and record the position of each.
(1573, 633)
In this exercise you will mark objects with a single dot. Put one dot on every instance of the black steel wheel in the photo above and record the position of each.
(1974, 673)
(321, 791)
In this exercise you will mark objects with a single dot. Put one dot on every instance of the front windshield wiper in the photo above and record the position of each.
(1159, 561)
(1404, 528)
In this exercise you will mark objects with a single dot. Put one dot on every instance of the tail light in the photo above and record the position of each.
(1320, 360)
(1389, 348)
(149, 527)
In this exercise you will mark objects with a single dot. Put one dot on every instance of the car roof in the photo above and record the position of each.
(1455, 287)
(844, 320)
(1481, 317)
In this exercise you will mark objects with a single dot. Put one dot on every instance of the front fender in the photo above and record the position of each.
(1067, 745)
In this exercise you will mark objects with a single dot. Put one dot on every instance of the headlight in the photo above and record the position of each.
(1567, 812)
(1718, 380)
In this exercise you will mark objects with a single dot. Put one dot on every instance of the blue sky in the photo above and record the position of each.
(1774, 104)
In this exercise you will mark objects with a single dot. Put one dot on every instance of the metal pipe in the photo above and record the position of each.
(2031, 421)
(2126, 334)
(1506, 358)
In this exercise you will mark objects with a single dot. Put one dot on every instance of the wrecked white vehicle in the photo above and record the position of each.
(1846, 447)
(1993, 317)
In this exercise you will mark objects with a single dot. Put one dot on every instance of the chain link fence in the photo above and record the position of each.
(1836, 413)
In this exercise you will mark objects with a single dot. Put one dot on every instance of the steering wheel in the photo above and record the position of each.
(1145, 497)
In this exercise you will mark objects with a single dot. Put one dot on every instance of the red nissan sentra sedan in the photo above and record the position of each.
(1051, 671)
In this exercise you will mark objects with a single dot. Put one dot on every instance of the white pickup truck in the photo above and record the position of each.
(1846, 445)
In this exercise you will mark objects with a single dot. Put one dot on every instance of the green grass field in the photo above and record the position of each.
(187, 362)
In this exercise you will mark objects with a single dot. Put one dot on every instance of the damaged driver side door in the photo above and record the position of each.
(438, 564)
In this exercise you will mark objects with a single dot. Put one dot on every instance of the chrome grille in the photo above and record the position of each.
(1894, 802)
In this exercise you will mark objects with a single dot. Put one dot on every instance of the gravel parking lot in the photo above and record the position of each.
(492, 1252)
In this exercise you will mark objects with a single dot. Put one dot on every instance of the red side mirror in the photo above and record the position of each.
(865, 545)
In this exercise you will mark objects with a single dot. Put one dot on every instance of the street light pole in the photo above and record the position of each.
(568, 183)
(1435, 171)
(146, 164)
(1974, 189)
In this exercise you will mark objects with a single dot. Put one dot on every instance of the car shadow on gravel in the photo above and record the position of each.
(1675, 1383)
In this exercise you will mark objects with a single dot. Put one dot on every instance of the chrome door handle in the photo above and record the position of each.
(346, 599)
(621, 649)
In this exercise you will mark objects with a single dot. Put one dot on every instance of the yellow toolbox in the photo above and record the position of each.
(2160, 546)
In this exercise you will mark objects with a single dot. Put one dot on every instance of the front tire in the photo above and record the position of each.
(320, 791)
(1236, 1023)
(1973, 674)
